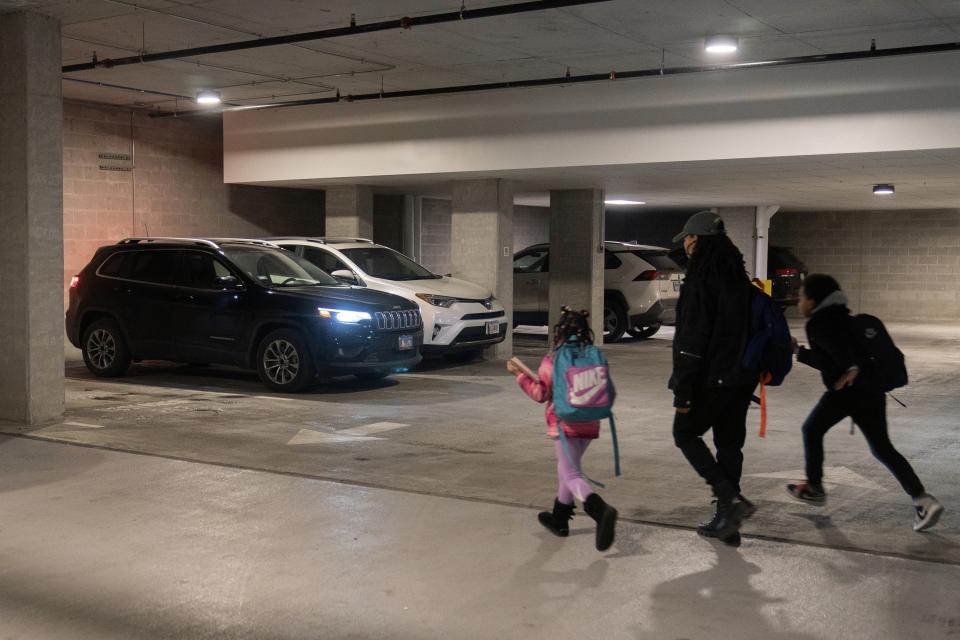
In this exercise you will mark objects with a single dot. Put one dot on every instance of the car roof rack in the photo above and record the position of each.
(345, 240)
(259, 243)
(164, 240)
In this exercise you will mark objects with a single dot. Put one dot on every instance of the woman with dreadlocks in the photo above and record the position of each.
(573, 326)
(712, 390)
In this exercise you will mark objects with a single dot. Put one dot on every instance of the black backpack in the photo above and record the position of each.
(880, 357)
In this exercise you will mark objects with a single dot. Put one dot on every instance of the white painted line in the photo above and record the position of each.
(837, 476)
(309, 436)
(84, 425)
(376, 427)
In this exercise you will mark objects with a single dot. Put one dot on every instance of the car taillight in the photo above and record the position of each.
(74, 282)
(786, 272)
(647, 275)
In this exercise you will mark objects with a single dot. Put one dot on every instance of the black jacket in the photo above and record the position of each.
(713, 320)
(831, 344)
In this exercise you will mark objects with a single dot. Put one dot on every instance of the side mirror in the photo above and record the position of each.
(343, 275)
(229, 283)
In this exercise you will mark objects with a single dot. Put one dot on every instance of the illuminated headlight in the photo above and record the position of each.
(346, 317)
(438, 301)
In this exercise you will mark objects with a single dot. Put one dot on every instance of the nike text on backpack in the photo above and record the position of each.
(880, 358)
(583, 390)
(769, 349)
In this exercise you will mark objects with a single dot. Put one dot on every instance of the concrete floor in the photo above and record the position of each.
(406, 509)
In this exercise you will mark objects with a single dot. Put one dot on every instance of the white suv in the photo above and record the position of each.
(641, 287)
(458, 317)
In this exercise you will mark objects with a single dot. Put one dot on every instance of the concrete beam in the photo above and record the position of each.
(482, 243)
(576, 254)
(31, 215)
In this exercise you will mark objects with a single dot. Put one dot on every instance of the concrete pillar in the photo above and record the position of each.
(576, 253)
(764, 214)
(31, 215)
(741, 225)
(349, 211)
(481, 243)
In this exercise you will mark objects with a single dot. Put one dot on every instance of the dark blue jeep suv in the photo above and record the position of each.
(245, 303)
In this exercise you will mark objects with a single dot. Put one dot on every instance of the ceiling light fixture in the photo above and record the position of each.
(207, 96)
(623, 202)
(883, 189)
(721, 44)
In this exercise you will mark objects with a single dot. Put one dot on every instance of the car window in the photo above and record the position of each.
(381, 262)
(276, 268)
(659, 260)
(611, 261)
(324, 259)
(202, 270)
(158, 267)
(117, 265)
(534, 261)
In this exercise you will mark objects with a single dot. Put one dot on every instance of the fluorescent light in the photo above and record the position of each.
(883, 189)
(721, 44)
(208, 97)
(623, 202)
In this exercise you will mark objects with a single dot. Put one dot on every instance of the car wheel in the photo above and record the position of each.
(283, 361)
(642, 333)
(105, 352)
(372, 376)
(614, 321)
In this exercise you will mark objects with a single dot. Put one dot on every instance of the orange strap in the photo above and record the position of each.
(764, 379)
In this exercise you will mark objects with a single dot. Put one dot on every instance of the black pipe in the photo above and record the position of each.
(596, 77)
(138, 90)
(386, 25)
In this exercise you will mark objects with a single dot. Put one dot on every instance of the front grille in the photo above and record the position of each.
(397, 320)
(483, 316)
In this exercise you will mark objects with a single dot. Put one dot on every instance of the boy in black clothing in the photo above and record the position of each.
(850, 393)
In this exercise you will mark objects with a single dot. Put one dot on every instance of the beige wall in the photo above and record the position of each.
(175, 189)
(899, 265)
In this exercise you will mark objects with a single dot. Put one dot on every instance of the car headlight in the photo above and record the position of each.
(438, 301)
(344, 316)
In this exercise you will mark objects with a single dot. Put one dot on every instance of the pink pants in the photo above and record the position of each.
(569, 476)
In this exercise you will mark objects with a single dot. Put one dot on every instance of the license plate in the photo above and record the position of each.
(676, 285)
(493, 328)
(406, 343)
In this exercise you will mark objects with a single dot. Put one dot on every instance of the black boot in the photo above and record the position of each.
(730, 514)
(557, 521)
(606, 517)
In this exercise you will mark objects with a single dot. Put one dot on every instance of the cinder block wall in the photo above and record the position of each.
(175, 188)
(531, 225)
(899, 265)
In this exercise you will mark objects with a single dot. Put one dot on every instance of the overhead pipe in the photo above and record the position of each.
(353, 29)
(597, 77)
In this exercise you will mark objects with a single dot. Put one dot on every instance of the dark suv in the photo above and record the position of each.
(245, 303)
(786, 271)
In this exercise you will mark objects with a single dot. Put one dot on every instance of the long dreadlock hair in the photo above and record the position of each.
(573, 324)
(716, 257)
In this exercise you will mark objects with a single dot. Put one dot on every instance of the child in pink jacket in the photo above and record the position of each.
(572, 326)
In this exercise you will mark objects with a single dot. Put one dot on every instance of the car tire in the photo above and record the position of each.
(642, 333)
(104, 349)
(614, 321)
(284, 363)
(372, 376)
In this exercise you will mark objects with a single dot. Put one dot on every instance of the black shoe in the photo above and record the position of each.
(558, 520)
(727, 519)
(606, 517)
(808, 492)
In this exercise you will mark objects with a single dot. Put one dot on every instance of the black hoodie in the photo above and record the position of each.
(831, 340)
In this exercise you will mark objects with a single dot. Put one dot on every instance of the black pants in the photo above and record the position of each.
(869, 410)
(725, 411)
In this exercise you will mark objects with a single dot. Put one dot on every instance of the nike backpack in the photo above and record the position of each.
(882, 360)
(583, 390)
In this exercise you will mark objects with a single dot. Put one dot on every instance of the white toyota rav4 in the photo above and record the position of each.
(641, 286)
(458, 316)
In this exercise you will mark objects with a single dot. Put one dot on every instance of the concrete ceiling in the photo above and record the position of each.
(619, 34)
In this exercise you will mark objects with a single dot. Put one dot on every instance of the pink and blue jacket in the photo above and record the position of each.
(542, 391)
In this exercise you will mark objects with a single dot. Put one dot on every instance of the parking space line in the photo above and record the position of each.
(83, 425)
(376, 427)
(309, 436)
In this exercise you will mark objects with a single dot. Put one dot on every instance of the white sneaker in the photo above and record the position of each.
(928, 512)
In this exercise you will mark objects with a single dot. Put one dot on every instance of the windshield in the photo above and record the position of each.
(660, 260)
(275, 268)
(380, 262)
